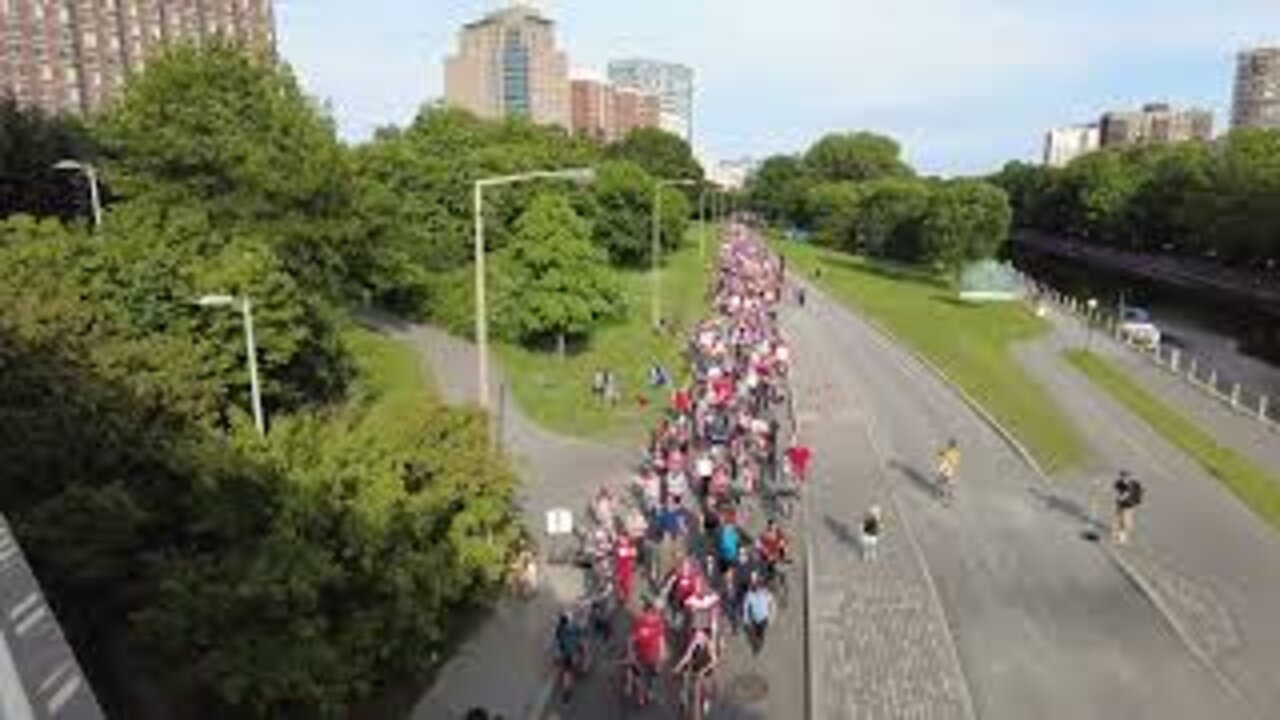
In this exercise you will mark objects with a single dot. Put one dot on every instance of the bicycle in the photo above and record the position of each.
(775, 578)
(697, 694)
(637, 684)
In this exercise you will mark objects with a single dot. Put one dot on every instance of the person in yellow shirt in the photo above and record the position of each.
(948, 466)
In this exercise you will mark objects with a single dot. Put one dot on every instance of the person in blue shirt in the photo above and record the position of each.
(728, 539)
(757, 606)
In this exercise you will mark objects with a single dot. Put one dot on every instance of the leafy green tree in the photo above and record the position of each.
(835, 209)
(1167, 209)
(890, 218)
(661, 154)
(224, 129)
(855, 157)
(1101, 186)
(30, 143)
(674, 220)
(622, 215)
(967, 220)
(779, 190)
(557, 282)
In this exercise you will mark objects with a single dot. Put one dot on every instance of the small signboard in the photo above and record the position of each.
(559, 522)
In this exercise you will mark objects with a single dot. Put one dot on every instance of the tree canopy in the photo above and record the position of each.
(663, 155)
(855, 157)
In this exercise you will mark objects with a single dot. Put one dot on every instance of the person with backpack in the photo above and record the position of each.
(1129, 495)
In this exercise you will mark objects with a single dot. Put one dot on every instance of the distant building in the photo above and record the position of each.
(671, 82)
(73, 56)
(1062, 145)
(600, 110)
(1155, 124)
(508, 64)
(731, 174)
(1257, 89)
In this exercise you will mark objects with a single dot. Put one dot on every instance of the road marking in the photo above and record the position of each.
(31, 619)
(22, 607)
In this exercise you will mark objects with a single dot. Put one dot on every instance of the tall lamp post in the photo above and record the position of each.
(245, 306)
(656, 249)
(581, 175)
(91, 174)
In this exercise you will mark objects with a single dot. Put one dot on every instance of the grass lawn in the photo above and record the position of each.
(970, 342)
(391, 375)
(1252, 483)
(557, 394)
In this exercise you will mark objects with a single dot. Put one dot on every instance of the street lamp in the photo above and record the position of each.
(90, 173)
(656, 248)
(579, 175)
(245, 306)
(1093, 305)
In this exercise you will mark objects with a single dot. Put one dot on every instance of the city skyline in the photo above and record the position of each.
(965, 85)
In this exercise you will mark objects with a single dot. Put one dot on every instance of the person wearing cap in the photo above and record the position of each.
(872, 526)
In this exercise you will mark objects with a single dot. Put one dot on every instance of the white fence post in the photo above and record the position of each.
(1213, 381)
(1235, 395)
(1262, 407)
(1191, 371)
(1175, 358)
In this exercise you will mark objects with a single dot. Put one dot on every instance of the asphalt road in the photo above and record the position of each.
(1043, 623)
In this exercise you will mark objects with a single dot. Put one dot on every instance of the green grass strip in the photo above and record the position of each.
(1253, 484)
(970, 342)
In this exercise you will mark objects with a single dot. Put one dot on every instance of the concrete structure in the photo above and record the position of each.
(1155, 124)
(508, 64)
(39, 676)
(1062, 145)
(672, 83)
(730, 174)
(1257, 89)
(73, 56)
(607, 113)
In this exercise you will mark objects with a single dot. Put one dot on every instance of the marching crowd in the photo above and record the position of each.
(674, 564)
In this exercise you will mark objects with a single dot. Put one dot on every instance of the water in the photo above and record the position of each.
(1240, 342)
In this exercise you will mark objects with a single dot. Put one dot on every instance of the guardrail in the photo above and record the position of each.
(1193, 370)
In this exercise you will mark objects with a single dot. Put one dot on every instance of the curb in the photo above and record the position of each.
(542, 701)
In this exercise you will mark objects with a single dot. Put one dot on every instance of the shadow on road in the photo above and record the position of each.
(922, 483)
(842, 531)
(1071, 508)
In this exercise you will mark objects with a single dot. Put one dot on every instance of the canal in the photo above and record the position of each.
(1239, 341)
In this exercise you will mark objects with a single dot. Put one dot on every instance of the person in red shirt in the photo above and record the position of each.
(682, 402)
(648, 649)
(624, 568)
(682, 583)
(798, 457)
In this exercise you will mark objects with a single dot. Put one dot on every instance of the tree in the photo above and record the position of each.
(622, 214)
(855, 157)
(661, 154)
(557, 283)
(674, 220)
(835, 208)
(1101, 185)
(30, 143)
(226, 130)
(890, 216)
(779, 190)
(967, 220)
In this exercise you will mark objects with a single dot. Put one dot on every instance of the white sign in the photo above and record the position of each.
(559, 522)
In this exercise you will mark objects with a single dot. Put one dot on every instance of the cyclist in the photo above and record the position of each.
(648, 649)
(570, 652)
(948, 466)
(757, 606)
(696, 666)
(624, 565)
(773, 549)
(798, 458)
(682, 584)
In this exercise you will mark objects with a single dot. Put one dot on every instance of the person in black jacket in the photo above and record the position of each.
(1129, 495)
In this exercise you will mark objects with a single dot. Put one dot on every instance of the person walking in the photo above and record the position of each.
(757, 606)
(872, 526)
(1129, 495)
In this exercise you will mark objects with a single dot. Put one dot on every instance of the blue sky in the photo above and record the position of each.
(963, 84)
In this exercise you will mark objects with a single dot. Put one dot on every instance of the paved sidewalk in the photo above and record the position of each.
(1204, 556)
(1045, 625)
(505, 666)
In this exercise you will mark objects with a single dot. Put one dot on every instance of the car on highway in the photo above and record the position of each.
(1136, 326)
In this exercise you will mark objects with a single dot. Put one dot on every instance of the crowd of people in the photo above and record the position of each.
(696, 548)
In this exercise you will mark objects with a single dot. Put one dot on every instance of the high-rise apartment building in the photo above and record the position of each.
(1062, 145)
(672, 83)
(507, 64)
(609, 113)
(1257, 89)
(1155, 124)
(73, 55)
